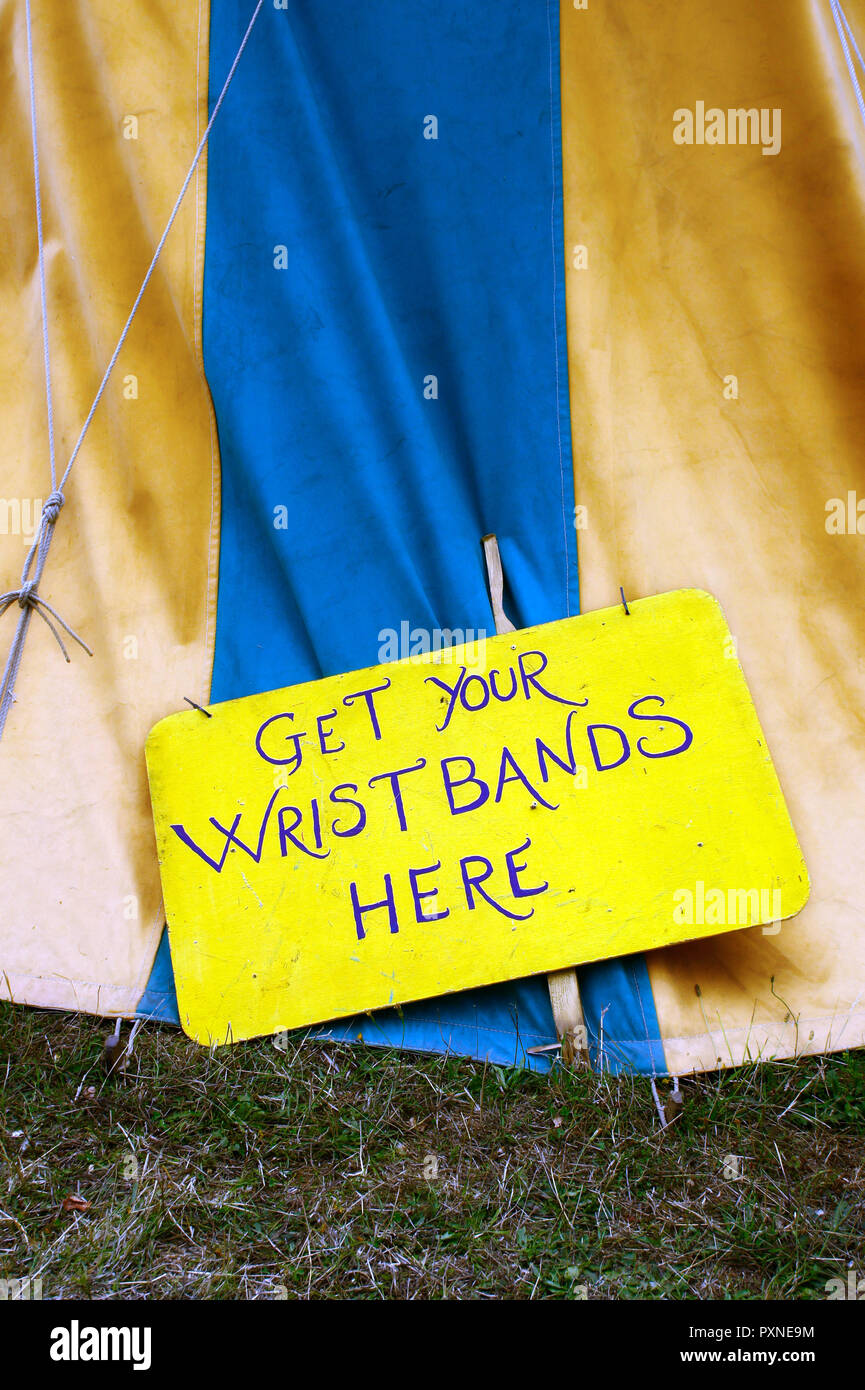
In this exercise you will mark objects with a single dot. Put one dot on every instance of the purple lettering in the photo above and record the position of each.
(531, 678)
(190, 844)
(453, 692)
(286, 832)
(348, 801)
(626, 747)
(513, 690)
(514, 870)
(420, 914)
(661, 719)
(518, 775)
(325, 734)
(360, 908)
(370, 703)
(545, 752)
(395, 787)
(232, 838)
(472, 881)
(485, 694)
(297, 755)
(482, 795)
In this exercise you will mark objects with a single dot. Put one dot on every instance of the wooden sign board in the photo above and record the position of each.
(555, 795)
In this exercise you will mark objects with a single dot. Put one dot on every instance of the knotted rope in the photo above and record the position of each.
(30, 601)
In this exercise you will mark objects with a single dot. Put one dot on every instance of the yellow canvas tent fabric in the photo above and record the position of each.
(122, 99)
(715, 360)
(700, 264)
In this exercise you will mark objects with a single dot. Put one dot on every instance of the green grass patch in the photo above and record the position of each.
(336, 1171)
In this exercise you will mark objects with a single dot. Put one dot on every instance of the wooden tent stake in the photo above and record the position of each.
(563, 984)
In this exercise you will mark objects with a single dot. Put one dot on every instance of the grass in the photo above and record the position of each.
(330, 1171)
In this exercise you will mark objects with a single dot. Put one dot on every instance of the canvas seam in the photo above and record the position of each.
(556, 308)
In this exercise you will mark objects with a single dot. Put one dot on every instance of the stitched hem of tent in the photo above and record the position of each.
(447, 1023)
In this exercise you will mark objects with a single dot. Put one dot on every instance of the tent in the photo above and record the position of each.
(440, 272)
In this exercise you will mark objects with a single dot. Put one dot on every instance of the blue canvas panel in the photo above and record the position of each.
(384, 338)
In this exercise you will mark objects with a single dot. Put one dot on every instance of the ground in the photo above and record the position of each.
(335, 1171)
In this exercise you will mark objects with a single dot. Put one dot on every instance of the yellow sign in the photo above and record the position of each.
(556, 795)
